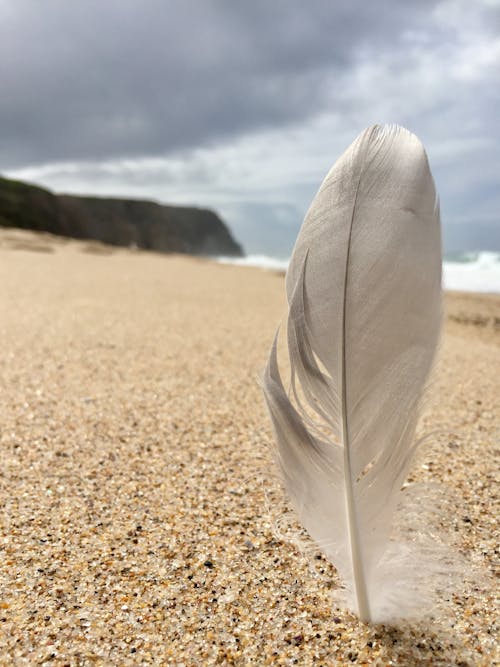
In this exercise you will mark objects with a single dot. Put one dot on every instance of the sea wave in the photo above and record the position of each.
(472, 272)
(465, 272)
(261, 261)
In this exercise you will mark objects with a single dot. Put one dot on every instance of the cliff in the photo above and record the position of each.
(121, 222)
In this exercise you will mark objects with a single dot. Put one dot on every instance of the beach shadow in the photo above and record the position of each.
(30, 246)
(96, 248)
(421, 644)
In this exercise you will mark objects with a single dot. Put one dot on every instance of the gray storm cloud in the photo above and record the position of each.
(88, 79)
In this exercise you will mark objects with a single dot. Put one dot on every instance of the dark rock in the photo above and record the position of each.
(119, 222)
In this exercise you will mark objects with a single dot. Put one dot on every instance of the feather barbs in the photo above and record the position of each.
(364, 295)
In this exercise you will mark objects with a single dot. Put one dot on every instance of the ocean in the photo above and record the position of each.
(464, 272)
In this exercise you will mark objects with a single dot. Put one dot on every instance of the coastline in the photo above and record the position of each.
(142, 519)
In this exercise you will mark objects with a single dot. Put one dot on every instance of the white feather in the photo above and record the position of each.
(364, 294)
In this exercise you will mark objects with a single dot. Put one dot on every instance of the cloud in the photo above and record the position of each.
(244, 106)
(93, 80)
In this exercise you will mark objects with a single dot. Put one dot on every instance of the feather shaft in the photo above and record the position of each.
(358, 572)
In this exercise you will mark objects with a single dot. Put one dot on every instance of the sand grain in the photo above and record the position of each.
(139, 515)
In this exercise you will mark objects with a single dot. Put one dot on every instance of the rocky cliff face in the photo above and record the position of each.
(121, 222)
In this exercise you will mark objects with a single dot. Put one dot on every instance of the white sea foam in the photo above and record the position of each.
(468, 272)
(472, 272)
(261, 261)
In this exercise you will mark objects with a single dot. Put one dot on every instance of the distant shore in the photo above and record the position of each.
(143, 523)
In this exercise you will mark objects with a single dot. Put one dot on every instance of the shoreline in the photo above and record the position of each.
(34, 241)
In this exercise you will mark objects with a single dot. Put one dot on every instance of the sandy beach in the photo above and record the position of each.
(141, 515)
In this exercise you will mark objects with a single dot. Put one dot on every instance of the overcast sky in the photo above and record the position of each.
(244, 105)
